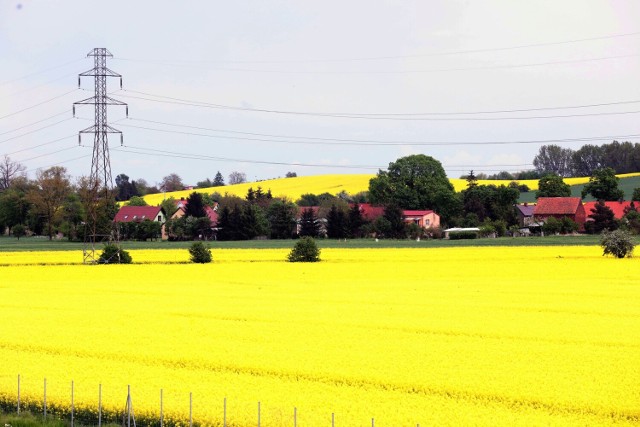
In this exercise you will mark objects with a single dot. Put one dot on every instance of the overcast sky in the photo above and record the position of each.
(404, 73)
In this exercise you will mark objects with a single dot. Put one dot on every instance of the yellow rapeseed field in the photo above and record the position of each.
(293, 188)
(449, 336)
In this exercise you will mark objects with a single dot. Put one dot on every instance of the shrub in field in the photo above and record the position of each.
(305, 250)
(618, 243)
(463, 235)
(18, 231)
(112, 254)
(200, 253)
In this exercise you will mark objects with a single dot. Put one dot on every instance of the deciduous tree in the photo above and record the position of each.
(603, 185)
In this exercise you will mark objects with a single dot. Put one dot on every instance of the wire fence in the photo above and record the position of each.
(125, 417)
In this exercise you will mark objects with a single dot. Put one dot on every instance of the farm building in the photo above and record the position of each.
(619, 208)
(560, 207)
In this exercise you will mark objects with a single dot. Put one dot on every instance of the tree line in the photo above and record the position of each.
(53, 203)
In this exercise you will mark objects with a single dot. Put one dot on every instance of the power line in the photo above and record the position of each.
(435, 54)
(38, 86)
(433, 113)
(173, 154)
(35, 130)
(38, 104)
(433, 70)
(339, 141)
(47, 154)
(34, 123)
(364, 117)
(39, 145)
(59, 163)
(40, 72)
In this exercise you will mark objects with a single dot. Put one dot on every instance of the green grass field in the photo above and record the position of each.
(10, 244)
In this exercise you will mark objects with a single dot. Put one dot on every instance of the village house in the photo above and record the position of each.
(618, 207)
(141, 213)
(525, 215)
(560, 207)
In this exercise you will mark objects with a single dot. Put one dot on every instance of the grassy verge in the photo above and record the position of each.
(38, 244)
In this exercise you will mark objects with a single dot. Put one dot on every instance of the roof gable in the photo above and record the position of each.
(557, 206)
(137, 213)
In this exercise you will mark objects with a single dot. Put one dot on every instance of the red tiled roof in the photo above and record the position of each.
(370, 212)
(137, 213)
(617, 207)
(557, 205)
(416, 213)
(212, 214)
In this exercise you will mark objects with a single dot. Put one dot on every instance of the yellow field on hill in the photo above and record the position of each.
(450, 336)
(293, 188)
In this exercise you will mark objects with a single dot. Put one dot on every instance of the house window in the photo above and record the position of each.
(159, 218)
(126, 216)
(426, 221)
(143, 216)
(135, 216)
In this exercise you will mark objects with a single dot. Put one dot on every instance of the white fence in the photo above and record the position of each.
(127, 415)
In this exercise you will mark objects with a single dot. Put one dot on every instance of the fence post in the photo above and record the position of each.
(128, 405)
(224, 414)
(18, 394)
(373, 424)
(295, 417)
(333, 419)
(99, 405)
(190, 409)
(161, 410)
(45, 399)
(71, 403)
(258, 414)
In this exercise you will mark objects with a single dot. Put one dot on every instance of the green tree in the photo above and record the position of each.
(282, 218)
(552, 185)
(603, 185)
(337, 223)
(415, 182)
(169, 206)
(73, 214)
(356, 222)
(14, 207)
(553, 159)
(125, 189)
(618, 243)
(394, 227)
(195, 206)
(305, 250)
(18, 231)
(218, 180)
(52, 188)
(137, 201)
(636, 195)
(309, 224)
(200, 253)
(603, 219)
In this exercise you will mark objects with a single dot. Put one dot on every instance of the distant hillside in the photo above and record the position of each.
(628, 182)
(293, 188)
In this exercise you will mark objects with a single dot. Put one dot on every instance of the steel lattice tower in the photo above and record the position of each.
(100, 186)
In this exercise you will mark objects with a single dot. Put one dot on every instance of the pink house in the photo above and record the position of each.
(424, 219)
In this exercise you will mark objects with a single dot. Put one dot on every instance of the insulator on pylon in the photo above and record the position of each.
(120, 82)
(74, 110)
(126, 109)
(80, 139)
(121, 140)
(78, 82)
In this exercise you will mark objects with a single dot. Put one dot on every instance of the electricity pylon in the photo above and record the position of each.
(99, 190)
